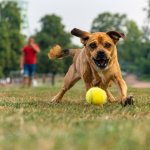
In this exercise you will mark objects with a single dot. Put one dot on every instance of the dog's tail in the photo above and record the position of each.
(58, 52)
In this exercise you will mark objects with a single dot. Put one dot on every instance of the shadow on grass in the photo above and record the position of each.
(34, 104)
(79, 107)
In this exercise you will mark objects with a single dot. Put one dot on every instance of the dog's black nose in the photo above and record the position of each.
(101, 54)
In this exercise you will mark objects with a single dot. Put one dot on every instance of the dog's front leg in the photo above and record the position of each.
(87, 81)
(70, 79)
(111, 99)
(124, 99)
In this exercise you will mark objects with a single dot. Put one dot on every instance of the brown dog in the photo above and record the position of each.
(96, 63)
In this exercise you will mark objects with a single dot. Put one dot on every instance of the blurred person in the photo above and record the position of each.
(28, 61)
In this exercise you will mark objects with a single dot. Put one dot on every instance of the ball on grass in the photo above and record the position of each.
(96, 96)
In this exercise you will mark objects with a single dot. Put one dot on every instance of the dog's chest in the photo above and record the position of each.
(98, 74)
(102, 77)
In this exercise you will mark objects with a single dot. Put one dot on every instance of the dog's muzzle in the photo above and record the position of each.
(101, 60)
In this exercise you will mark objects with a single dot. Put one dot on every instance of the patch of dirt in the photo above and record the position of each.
(132, 80)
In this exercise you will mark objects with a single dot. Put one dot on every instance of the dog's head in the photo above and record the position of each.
(100, 46)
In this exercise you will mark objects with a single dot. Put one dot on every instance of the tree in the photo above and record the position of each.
(52, 32)
(144, 58)
(107, 21)
(146, 27)
(131, 48)
(143, 63)
(11, 40)
(135, 52)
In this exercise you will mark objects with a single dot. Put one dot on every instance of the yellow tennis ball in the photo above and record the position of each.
(96, 96)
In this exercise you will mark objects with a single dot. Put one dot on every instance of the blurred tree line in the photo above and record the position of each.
(133, 51)
(11, 38)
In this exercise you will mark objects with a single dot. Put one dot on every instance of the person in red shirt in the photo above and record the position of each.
(28, 61)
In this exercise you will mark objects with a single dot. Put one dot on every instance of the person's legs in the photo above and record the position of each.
(25, 74)
(31, 73)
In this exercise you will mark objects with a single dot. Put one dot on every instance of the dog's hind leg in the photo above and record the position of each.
(70, 79)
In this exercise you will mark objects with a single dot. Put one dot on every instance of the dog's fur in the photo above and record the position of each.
(96, 63)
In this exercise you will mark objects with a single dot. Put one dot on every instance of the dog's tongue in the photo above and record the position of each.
(102, 61)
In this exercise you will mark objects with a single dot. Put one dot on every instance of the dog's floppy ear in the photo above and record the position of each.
(83, 35)
(115, 36)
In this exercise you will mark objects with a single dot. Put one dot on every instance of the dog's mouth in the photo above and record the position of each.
(101, 62)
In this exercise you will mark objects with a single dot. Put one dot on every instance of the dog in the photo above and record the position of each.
(96, 63)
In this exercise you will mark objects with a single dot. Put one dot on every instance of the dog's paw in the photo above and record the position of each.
(128, 101)
(55, 100)
(112, 100)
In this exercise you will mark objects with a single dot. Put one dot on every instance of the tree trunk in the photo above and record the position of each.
(44, 78)
(53, 79)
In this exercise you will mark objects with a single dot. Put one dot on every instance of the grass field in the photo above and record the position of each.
(28, 121)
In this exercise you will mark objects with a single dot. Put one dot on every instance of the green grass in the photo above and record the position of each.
(29, 121)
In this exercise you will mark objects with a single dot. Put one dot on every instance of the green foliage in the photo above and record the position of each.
(11, 40)
(131, 48)
(146, 33)
(52, 32)
(49, 66)
(144, 59)
(146, 25)
(135, 51)
(10, 14)
(107, 21)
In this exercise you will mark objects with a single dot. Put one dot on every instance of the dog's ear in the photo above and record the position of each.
(83, 35)
(115, 36)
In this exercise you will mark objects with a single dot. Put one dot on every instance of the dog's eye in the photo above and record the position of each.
(107, 45)
(93, 45)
